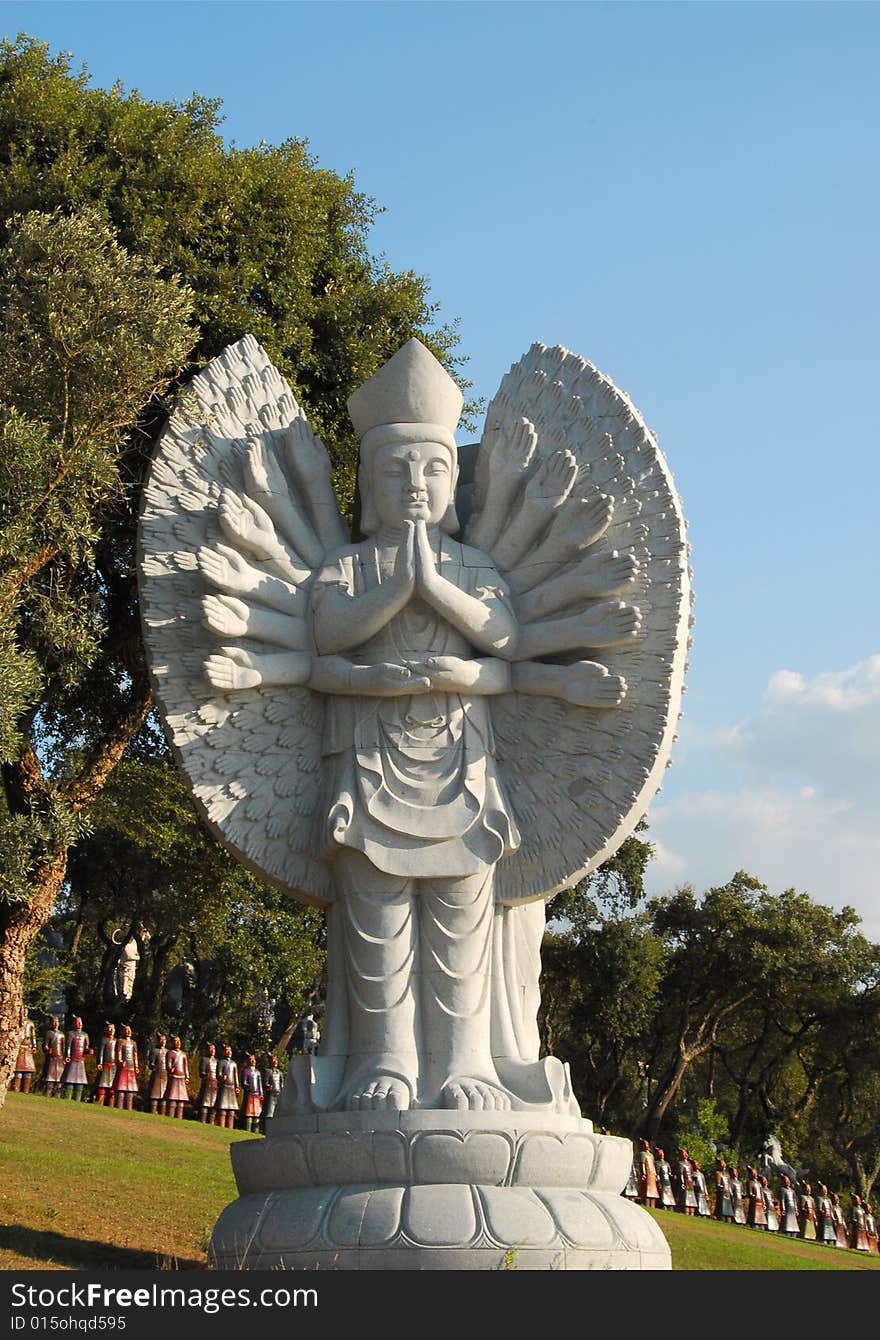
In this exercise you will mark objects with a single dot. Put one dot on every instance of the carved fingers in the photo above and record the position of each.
(225, 568)
(230, 617)
(232, 669)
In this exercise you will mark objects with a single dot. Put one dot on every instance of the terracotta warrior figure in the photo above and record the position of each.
(757, 1215)
(788, 1209)
(664, 1179)
(53, 1052)
(157, 1061)
(176, 1091)
(736, 1197)
(839, 1220)
(74, 1078)
(25, 1064)
(723, 1198)
(226, 1107)
(125, 1086)
(252, 1095)
(207, 1098)
(808, 1213)
(827, 1228)
(871, 1229)
(686, 1201)
(106, 1072)
(273, 1083)
(858, 1238)
(649, 1187)
(770, 1206)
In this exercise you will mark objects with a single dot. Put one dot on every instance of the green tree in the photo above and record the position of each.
(147, 216)
(88, 336)
(149, 869)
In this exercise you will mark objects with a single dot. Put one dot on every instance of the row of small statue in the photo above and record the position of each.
(117, 1084)
(682, 1186)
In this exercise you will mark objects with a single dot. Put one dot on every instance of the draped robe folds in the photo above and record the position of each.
(411, 784)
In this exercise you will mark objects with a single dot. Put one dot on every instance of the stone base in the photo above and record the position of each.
(542, 1194)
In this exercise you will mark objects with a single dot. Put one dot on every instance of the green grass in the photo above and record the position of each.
(86, 1187)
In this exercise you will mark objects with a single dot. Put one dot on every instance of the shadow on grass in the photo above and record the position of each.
(83, 1254)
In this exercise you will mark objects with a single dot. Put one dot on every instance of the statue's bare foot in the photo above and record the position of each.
(384, 1093)
(474, 1095)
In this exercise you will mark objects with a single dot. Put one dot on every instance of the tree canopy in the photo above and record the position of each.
(134, 245)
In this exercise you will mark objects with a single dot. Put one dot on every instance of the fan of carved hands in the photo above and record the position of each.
(573, 502)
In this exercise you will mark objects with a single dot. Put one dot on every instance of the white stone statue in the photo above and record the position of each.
(428, 735)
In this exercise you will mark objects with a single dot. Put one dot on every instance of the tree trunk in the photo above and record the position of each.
(20, 924)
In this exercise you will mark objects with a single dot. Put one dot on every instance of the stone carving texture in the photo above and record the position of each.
(578, 777)
(429, 736)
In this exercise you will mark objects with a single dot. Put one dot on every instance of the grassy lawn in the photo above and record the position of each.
(86, 1187)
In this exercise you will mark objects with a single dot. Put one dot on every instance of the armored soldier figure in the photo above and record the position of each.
(664, 1178)
(757, 1216)
(701, 1190)
(74, 1078)
(53, 1052)
(176, 1092)
(25, 1064)
(788, 1209)
(827, 1230)
(125, 1085)
(252, 1095)
(723, 1199)
(158, 1063)
(106, 1072)
(273, 1082)
(686, 1199)
(649, 1189)
(770, 1206)
(808, 1213)
(871, 1229)
(207, 1098)
(226, 1108)
(736, 1197)
(858, 1228)
(631, 1190)
(837, 1218)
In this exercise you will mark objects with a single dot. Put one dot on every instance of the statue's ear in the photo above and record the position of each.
(450, 523)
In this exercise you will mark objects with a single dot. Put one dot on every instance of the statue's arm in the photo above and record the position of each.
(342, 620)
(489, 623)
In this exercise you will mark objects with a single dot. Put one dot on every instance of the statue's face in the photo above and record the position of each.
(411, 482)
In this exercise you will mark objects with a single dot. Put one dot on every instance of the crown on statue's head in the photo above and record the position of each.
(411, 391)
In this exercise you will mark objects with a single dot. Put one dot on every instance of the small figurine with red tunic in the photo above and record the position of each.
(207, 1098)
(157, 1061)
(176, 1093)
(649, 1189)
(871, 1229)
(252, 1095)
(25, 1064)
(125, 1085)
(53, 1052)
(74, 1078)
(858, 1228)
(273, 1083)
(837, 1218)
(808, 1213)
(106, 1072)
(226, 1108)
(757, 1216)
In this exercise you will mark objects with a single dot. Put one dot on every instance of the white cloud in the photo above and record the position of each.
(797, 800)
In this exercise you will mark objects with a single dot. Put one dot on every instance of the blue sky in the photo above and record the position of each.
(687, 195)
